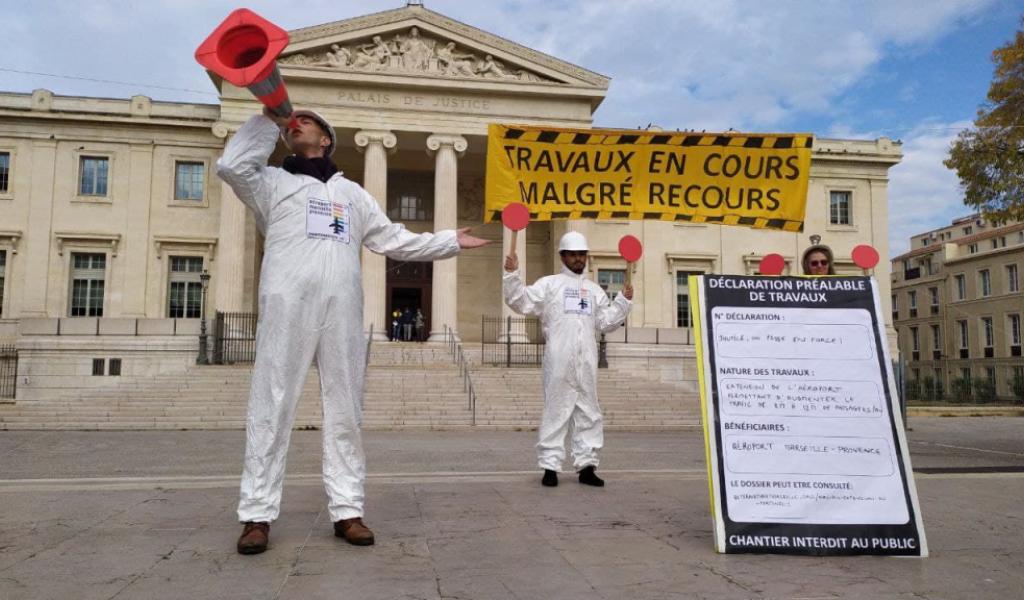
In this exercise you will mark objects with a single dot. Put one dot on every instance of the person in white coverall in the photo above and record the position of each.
(310, 307)
(573, 311)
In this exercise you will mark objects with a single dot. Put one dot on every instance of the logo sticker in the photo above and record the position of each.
(578, 301)
(328, 220)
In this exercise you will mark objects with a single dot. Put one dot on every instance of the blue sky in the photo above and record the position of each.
(914, 70)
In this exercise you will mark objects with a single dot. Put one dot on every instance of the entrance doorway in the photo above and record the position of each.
(408, 291)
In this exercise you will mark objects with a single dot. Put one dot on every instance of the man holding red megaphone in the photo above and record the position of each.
(310, 306)
(315, 223)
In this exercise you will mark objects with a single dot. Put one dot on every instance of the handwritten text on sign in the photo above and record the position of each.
(804, 443)
(813, 372)
(733, 179)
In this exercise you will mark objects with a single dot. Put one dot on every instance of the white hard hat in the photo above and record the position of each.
(573, 240)
(322, 122)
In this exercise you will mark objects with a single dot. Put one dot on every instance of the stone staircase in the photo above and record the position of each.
(513, 399)
(408, 386)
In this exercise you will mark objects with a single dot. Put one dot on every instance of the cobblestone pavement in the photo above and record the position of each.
(461, 515)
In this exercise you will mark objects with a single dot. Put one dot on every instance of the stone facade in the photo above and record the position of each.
(132, 218)
(957, 306)
(415, 113)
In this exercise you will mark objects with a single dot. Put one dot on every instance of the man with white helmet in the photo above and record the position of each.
(573, 311)
(315, 223)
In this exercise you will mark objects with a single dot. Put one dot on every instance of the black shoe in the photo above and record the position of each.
(550, 478)
(588, 477)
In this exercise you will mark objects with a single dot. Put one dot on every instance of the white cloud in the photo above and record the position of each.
(744, 64)
(911, 22)
(923, 193)
(845, 131)
(678, 63)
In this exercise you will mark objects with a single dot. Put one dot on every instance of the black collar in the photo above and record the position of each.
(320, 167)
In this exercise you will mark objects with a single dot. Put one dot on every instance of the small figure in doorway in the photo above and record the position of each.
(419, 323)
(395, 315)
(407, 325)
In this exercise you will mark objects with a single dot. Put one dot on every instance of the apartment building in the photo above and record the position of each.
(957, 307)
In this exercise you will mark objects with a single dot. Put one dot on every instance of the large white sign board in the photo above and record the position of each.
(805, 444)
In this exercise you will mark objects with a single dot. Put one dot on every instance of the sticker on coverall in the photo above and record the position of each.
(580, 302)
(327, 220)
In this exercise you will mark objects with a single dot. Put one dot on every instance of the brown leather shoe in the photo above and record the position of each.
(354, 531)
(254, 538)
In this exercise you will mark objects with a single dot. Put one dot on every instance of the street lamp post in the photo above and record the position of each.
(204, 357)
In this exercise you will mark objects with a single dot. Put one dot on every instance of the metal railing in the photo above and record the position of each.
(234, 338)
(8, 371)
(963, 391)
(459, 358)
(512, 341)
(369, 345)
(366, 366)
(899, 373)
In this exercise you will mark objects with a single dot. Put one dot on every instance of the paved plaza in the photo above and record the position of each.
(461, 515)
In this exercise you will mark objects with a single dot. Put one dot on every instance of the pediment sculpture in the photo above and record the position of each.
(411, 52)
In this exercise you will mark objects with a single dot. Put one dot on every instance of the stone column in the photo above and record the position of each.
(375, 145)
(137, 236)
(518, 333)
(229, 278)
(228, 283)
(445, 306)
(38, 242)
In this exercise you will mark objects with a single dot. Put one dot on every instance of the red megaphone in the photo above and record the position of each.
(244, 50)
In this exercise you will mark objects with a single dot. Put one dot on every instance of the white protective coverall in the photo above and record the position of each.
(573, 311)
(310, 306)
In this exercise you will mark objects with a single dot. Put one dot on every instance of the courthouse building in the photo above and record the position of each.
(957, 307)
(111, 207)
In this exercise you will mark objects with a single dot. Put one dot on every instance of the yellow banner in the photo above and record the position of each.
(754, 180)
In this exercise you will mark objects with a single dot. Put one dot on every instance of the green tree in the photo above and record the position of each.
(989, 158)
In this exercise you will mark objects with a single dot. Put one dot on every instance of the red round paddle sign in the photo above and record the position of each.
(772, 264)
(630, 248)
(515, 216)
(865, 256)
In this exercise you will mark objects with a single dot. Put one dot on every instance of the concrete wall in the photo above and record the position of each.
(665, 363)
(55, 356)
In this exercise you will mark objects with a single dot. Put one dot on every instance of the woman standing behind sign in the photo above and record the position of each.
(817, 260)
